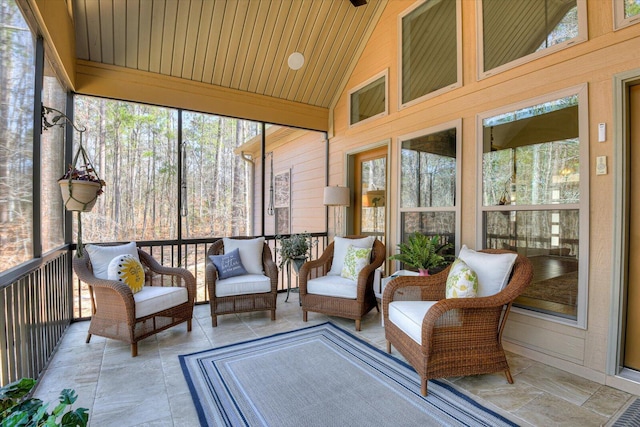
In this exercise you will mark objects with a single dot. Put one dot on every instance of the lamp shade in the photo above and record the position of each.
(336, 196)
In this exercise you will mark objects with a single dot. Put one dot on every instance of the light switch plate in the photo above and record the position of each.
(601, 165)
(602, 132)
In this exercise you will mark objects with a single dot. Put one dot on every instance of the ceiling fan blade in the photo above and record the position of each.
(357, 3)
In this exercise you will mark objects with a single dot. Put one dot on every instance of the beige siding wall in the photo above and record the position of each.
(302, 153)
(594, 62)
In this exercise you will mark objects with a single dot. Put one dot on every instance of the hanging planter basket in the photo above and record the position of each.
(79, 195)
(80, 186)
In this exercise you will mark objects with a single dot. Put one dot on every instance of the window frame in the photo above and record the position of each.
(619, 21)
(583, 36)
(459, 75)
(383, 74)
(456, 208)
(583, 206)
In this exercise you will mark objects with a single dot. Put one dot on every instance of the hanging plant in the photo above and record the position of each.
(80, 186)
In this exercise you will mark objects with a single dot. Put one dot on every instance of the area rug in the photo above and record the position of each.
(562, 289)
(320, 376)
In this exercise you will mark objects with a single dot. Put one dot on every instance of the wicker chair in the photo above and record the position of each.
(460, 336)
(335, 306)
(114, 307)
(241, 302)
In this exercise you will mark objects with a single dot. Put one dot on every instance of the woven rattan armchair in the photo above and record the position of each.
(460, 336)
(335, 306)
(114, 307)
(242, 302)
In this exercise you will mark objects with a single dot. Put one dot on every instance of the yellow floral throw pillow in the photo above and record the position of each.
(127, 269)
(355, 260)
(462, 281)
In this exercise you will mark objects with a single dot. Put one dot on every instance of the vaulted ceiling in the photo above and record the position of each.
(236, 44)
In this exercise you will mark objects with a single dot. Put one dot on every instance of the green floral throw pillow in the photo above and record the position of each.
(355, 260)
(462, 281)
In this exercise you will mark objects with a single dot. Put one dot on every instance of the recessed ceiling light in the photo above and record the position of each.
(296, 61)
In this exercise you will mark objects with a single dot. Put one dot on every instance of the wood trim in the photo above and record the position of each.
(111, 81)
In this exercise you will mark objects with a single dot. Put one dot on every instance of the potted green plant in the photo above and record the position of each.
(18, 409)
(295, 249)
(423, 252)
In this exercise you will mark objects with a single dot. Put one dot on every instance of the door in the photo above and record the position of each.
(632, 337)
(370, 191)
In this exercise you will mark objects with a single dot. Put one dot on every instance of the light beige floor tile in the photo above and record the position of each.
(549, 410)
(150, 390)
(607, 401)
(558, 383)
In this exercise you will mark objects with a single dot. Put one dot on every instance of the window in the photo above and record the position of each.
(429, 190)
(368, 100)
(626, 12)
(513, 32)
(282, 202)
(17, 79)
(534, 190)
(430, 55)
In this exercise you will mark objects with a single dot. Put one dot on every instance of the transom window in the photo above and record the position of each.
(369, 100)
(430, 50)
(514, 32)
(626, 12)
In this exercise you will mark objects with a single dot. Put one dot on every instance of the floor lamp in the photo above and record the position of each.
(336, 196)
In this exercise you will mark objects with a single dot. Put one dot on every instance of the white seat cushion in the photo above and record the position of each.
(408, 316)
(243, 285)
(152, 299)
(333, 286)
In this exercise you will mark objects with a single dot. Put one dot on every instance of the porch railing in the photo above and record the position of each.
(190, 254)
(36, 309)
(41, 299)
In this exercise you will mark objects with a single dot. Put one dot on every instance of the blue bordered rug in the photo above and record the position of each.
(320, 376)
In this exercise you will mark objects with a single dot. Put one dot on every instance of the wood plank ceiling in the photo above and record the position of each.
(237, 44)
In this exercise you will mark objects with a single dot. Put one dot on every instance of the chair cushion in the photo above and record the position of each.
(250, 252)
(243, 285)
(101, 256)
(127, 269)
(408, 317)
(340, 245)
(333, 286)
(462, 281)
(354, 261)
(228, 264)
(152, 299)
(493, 270)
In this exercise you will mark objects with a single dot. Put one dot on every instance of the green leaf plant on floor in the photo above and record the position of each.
(18, 409)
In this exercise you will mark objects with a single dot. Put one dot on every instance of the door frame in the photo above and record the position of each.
(349, 156)
(621, 137)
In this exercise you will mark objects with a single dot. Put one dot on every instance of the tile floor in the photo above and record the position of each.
(150, 390)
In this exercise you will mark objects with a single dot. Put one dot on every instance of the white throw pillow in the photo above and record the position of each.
(493, 270)
(250, 252)
(354, 261)
(462, 281)
(101, 256)
(340, 245)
